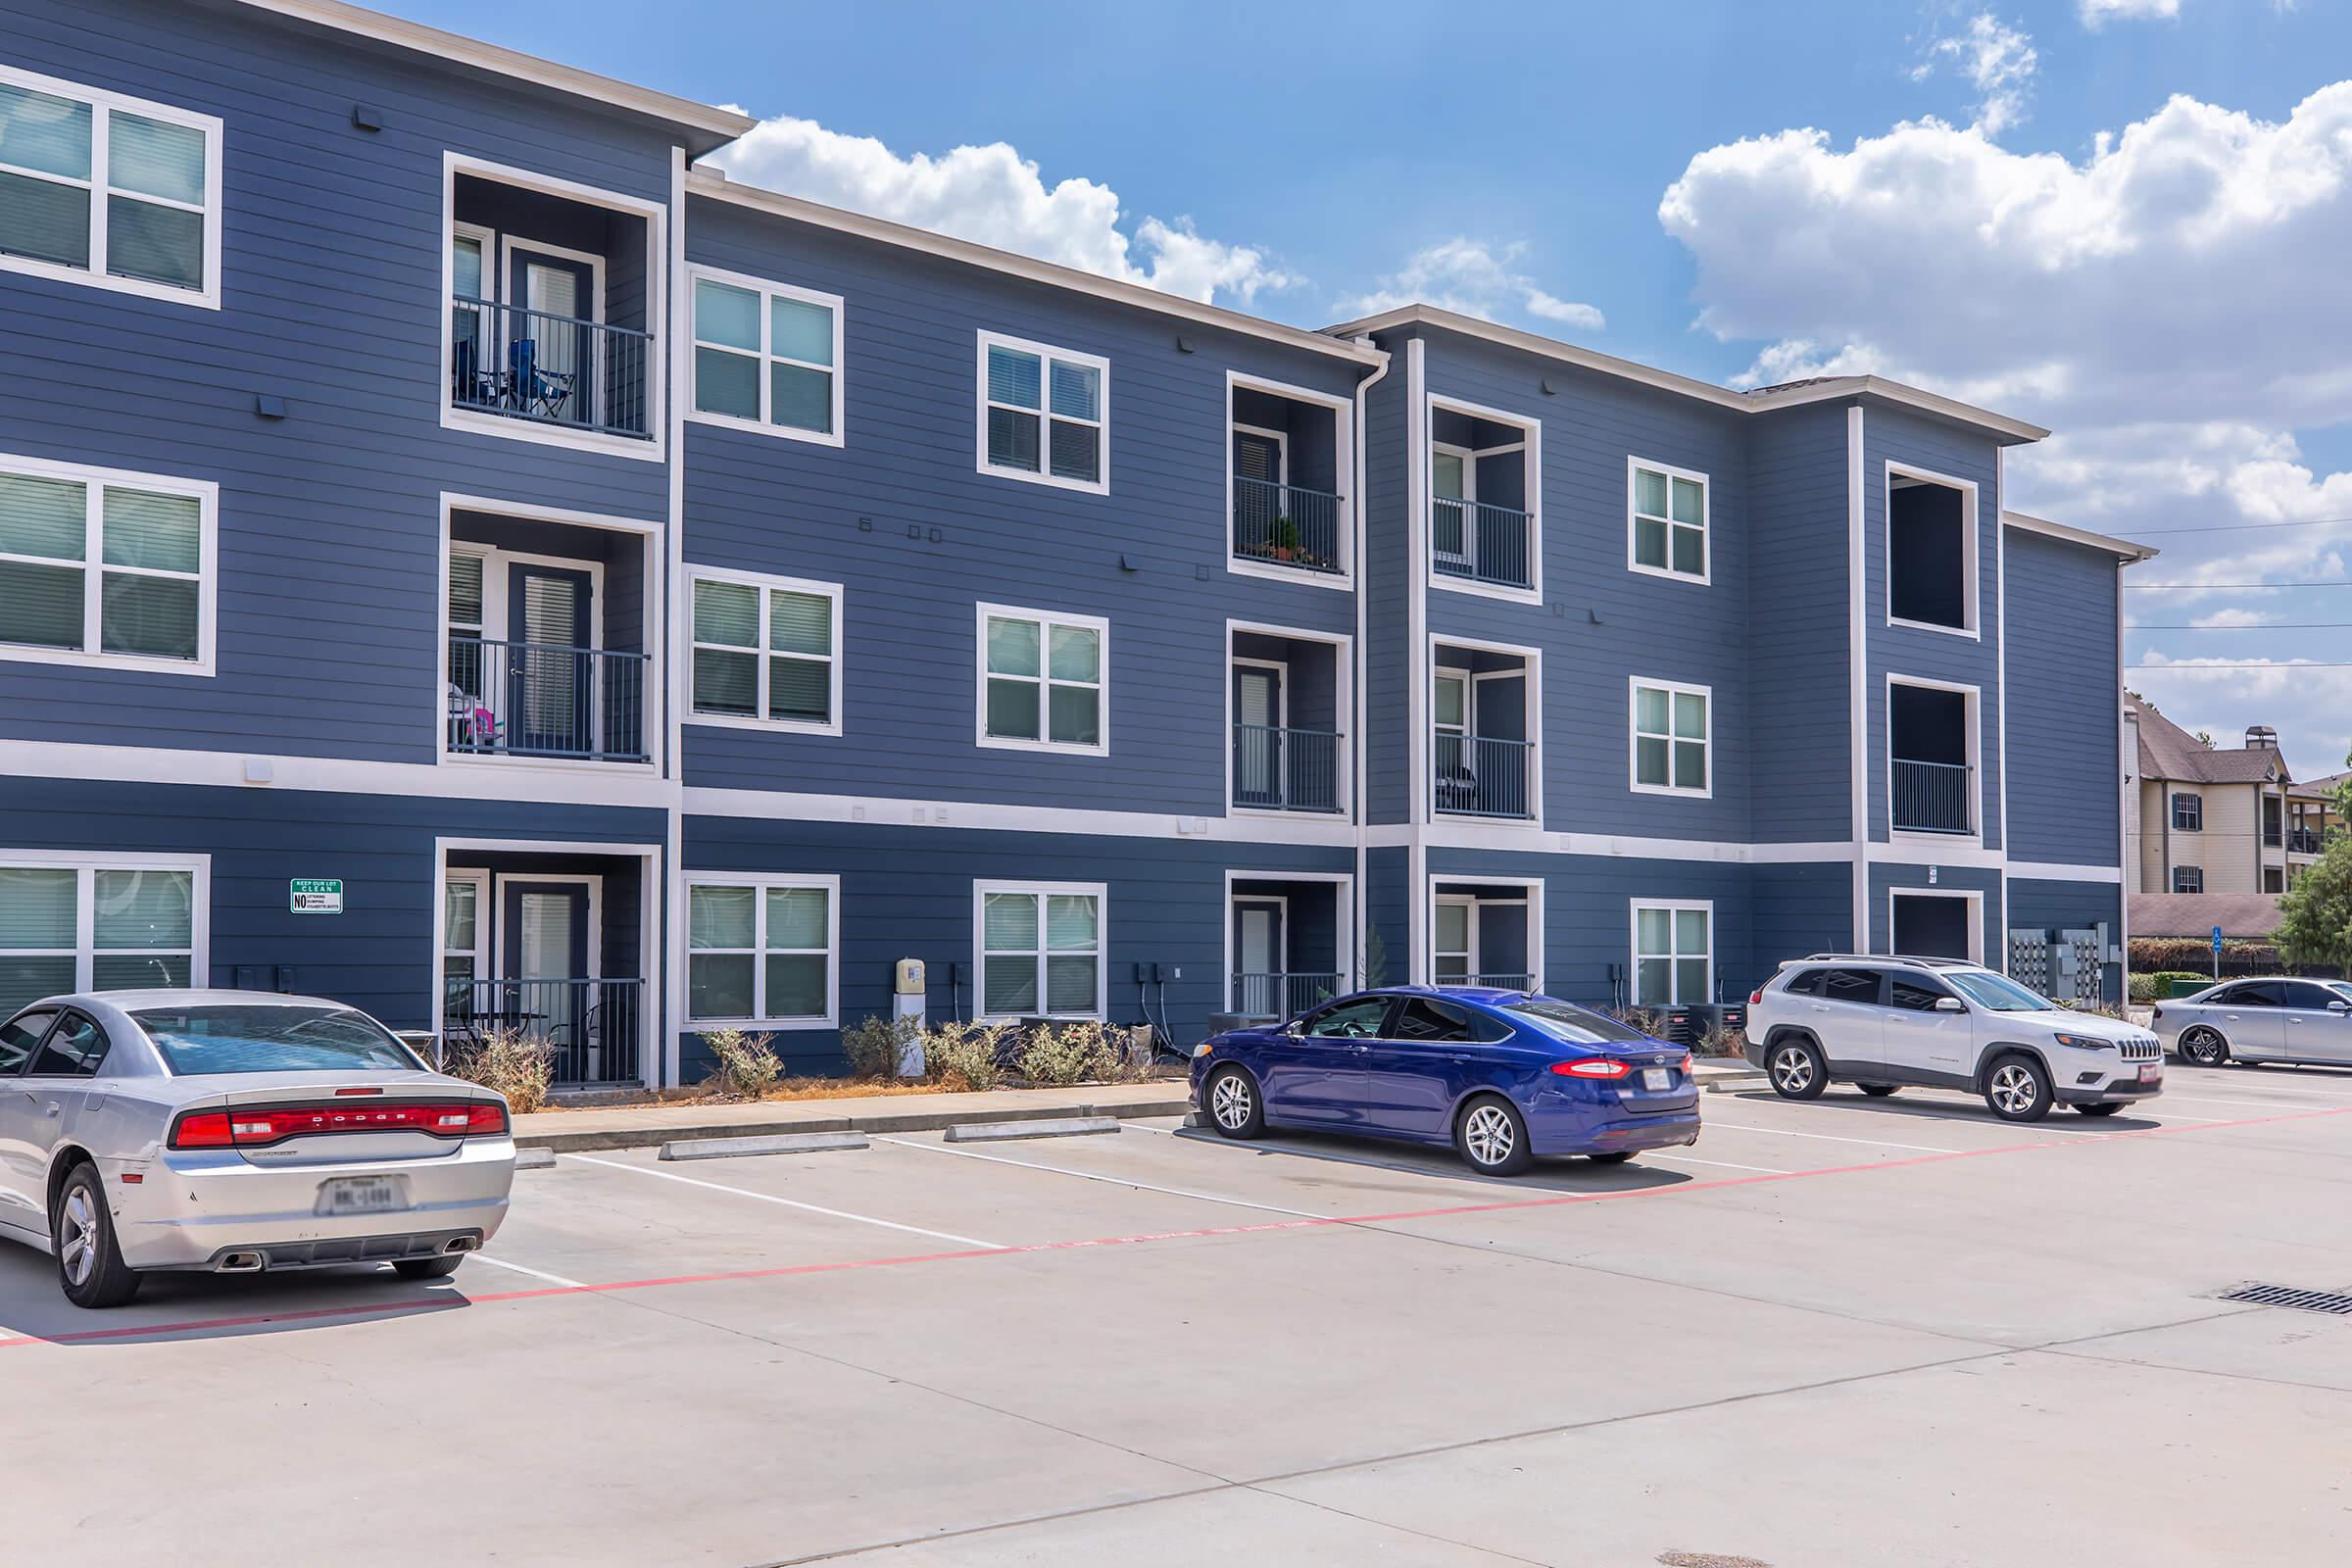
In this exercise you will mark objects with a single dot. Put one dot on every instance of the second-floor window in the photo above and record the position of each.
(767, 651)
(1043, 680)
(768, 355)
(2188, 879)
(1045, 414)
(108, 190)
(1672, 738)
(1669, 521)
(2188, 814)
(104, 568)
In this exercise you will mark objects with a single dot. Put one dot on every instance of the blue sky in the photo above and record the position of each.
(2163, 286)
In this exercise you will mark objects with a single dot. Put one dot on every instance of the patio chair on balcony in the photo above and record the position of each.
(534, 388)
(1458, 787)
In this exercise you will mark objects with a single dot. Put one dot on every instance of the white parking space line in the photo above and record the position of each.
(1720, 1164)
(1096, 1176)
(787, 1202)
(2293, 1103)
(1830, 1138)
(535, 1273)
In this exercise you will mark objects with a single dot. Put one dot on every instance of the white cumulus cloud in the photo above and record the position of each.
(995, 196)
(1474, 278)
(2096, 13)
(1998, 60)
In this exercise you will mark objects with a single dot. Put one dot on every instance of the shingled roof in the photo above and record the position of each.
(2169, 751)
(2195, 914)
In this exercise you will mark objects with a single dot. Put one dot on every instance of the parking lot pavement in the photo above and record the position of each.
(1849, 1331)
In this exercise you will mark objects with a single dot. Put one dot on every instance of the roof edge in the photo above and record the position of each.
(726, 124)
(715, 183)
(2130, 550)
(1826, 389)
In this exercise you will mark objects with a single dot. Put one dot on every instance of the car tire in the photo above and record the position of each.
(1878, 1091)
(2205, 1047)
(1615, 1156)
(90, 1264)
(2017, 1087)
(428, 1268)
(2104, 1108)
(1491, 1136)
(1233, 1105)
(1797, 1070)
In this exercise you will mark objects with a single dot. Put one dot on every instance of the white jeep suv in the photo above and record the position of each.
(1882, 1022)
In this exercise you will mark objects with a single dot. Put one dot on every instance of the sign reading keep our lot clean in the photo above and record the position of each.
(315, 894)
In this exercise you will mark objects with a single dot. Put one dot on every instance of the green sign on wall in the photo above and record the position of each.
(315, 894)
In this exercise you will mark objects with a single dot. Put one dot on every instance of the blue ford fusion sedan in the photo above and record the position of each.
(1504, 1076)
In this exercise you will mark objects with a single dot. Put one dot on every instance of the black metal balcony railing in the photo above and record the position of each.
(1285, 769)
(541, 700)
(1286, 524)
(1934, 797)
(550, 369)
(1479, 776)
(1501, 982)
(1281, 996)
(1480, 541)
(2302, 841)
(594, 1027)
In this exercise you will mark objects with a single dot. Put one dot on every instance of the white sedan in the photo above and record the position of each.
(232, 1132)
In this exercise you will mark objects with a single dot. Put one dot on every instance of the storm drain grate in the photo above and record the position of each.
(2335, 1301)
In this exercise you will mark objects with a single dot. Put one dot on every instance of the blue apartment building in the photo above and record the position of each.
(463, 554)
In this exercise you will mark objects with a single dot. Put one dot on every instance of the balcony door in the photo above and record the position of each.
(545, 949)
(549, 351)
(1257, 712)
(551, 684)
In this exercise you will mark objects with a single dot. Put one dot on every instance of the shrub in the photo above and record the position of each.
(510, 1063)
(1069, 1052)
(874, 1047)
(1646, 1019)
(965, 1055)
(1721, 1042)
(2144, 988)
(747, 1066)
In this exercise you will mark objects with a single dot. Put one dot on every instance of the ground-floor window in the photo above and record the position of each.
(1674, 954)
(1041, 948)
(462, 927)
(762, 948)
(82, 926)
(1453, 945)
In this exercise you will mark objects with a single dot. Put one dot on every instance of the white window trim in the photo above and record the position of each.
(1531, 449)
(1975, 720)
(1969, 547)
(1706, 520)
(1635, 686)
(1045, 412)
(1100, 892)
(86, 866)
(477, 877)
(103, 105)
(1515, 891)
(1972, 896)
(762, 583)
(1344, 459)
(766, 355)
(1533, 670)
(1046, 620)
(207, 494)
(1632, 973)
(653, 448)
(761, 884)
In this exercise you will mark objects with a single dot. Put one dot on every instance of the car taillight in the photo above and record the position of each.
(1591, 1067)
(1684, 1066)
(260, 1126)
(2159, 1012)
(1755, 997)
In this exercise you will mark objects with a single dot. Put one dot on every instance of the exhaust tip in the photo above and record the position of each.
(462, 1244)
(241, 1264)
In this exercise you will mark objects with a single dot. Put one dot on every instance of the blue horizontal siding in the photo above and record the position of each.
(2065, 701)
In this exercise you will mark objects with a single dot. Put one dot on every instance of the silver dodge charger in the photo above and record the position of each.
(232, 1132)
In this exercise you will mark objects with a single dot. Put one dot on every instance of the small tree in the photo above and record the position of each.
(1376, 961)
(2315, 917)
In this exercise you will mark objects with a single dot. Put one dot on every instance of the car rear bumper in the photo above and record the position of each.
(1564, 1133)
(190, 1211)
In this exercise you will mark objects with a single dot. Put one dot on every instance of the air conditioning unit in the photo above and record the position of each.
(1690, 1024)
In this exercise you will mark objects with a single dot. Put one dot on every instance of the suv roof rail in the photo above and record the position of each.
(1884, 957)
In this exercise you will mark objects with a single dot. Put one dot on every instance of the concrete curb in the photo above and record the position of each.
(722, 1125)
(534, 1158)
(1736, 1082)
(772, 1144)
(1046, 1127)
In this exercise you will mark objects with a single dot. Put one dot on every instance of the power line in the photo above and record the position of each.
(2199, 587)
(2267, 625)
(2298, 664)
(2246, 528)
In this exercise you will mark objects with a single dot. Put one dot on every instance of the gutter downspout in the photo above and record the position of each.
(1363, 661)
(1417, 658)
(1858, 675)
(671, 1011)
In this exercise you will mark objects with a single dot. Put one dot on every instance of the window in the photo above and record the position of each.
(2188, 879)
(2188, 814)
(109, 190)
(2274, 880)
(2308, 998)
(1915, 996)
(1435, 1023)
(1045, 414)
(464, 897)
(74, 1048)
(761, 949)
(1857, 986)
(1453, 943)
(1043, 680)
(275, 1036)
(1669, 526)
(96, 927)
(1349, 1020)
(1672, 738)
(99, 567)
(1930, 550)
(766, 651)
(1041, 950)
(18, 1035)
(1674, 952)
(768, 355)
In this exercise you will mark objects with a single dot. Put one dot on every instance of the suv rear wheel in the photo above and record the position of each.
(1797, 1068)
(2016, 1089)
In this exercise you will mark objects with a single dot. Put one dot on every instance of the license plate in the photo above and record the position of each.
(362, 1194)
(2151, 1072)
(1658, 1078)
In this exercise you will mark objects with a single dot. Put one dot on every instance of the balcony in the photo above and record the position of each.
(1285, 452)
(1285, 769)
(1934, 797)
(1281, 996)
(2303, 841)
(1287, 948)
(1482, 522)
(1286, 525)
(1483, 775)
(592, 1025)
(1481, 540)
(540, 700)
(1483, 935)
(1287, 695)
(550, 369)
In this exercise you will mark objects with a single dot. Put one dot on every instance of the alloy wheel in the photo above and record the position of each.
(2202, 1047)
(1487, 1133)
(77, 1236)
(2013, 1088)
(1792, 1069)
(1229, 1102)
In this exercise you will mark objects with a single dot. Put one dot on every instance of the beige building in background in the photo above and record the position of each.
(2202, 819)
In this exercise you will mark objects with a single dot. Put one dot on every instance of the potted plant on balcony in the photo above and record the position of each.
(1285, 536)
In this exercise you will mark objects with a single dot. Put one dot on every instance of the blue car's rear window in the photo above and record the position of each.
(1578, 1026)
(240, 1037)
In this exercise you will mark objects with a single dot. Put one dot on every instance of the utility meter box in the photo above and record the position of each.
(906, 1009)
(909, 977)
